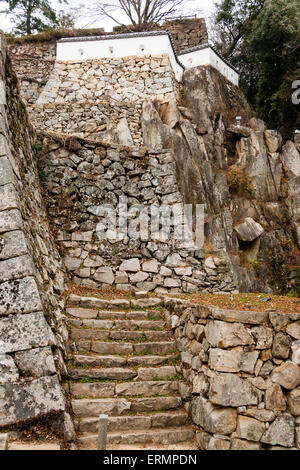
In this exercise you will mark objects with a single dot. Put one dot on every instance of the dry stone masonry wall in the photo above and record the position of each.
(33, 64)
(243, 373)
(32, 334)
(76, 182)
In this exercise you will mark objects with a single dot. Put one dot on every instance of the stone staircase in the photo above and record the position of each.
(125, 365)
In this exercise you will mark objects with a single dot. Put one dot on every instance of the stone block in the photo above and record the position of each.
(8, 370)
(232, 361)
(287, 375)
(231, 390)
(150, 266)
(8, 197)
(19, 296)
(281, 346)
(25, 401)
(240, 316)
(249, 429)
(10, 220)
(13, 244)
(223, 335)
(294, 330)
(105, 275)
(4, 441)
(274, 398)
(36, 362)
(293, 399)
(21, 332)
(130, 265)
(263, 337)
(213, 419)
(281, 432)
(15, 268)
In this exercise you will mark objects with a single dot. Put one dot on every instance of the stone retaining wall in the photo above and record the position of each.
(77, 181)
(243, 373)
(33, 64)
(126, 79)
(96, 119)
(32, 333)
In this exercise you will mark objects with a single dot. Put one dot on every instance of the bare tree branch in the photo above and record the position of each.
(142, 14)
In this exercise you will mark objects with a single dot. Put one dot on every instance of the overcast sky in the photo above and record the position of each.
(206, 7)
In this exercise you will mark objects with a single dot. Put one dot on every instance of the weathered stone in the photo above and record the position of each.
(223, 335)
(130, 265)
(232, 316)
(273, 140)
(240, 444)
(249, 230)
(4, 441)
(186, 358)
(261, 415)
(200, 385)
(92, 407)
(281, 432)
(105, 275)
(212, 419)
(12, 244)
(24, 401)
(8, 370)
(232, 361)
(263, 336)
(294, 330)
(296, 352)
(231, 390)
(19, 296)
(287, 375)
(150, 266)
(149, 373)
(293, 399)
(278, 320)
(93, 390)
(281, 346)
(20, 332)
(249, 429)
(146, 302)
(36, 362)
(274, 398)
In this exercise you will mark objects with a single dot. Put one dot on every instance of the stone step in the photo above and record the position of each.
(110, 390)
(117, 361)
(94, 302)
(134, 315)
(108, 373)
(116, 423)
(100, 361)
(123, 373)
(114, 347)
(146, 335)
(92, 334)
(159, 436)
(87, 407)
(123, 324)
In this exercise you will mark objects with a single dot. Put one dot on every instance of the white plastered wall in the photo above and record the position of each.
(119, 47)
(207, 56)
